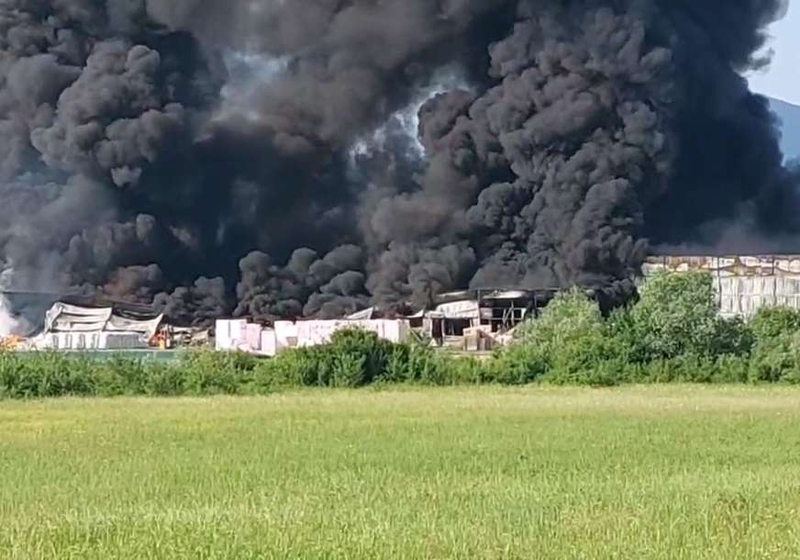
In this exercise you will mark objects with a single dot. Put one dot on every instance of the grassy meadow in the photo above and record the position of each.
(636, 472)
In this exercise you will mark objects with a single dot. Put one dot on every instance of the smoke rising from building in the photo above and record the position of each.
(255, 157)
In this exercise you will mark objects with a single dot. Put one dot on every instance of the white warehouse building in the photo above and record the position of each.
(744, 284)
(111, 327)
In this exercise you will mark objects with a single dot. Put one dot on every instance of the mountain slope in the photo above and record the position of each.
(789, 116)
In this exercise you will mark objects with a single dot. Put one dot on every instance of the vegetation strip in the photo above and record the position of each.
(672, 334)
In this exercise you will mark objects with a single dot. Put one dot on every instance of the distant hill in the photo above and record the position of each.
(790, 117)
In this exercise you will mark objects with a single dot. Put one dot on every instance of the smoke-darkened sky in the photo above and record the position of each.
(313, 157)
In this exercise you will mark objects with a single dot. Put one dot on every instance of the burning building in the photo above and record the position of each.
(91, 326)
(313, 158)
(471, 319)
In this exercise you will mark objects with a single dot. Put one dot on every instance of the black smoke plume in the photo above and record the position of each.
(313, 157)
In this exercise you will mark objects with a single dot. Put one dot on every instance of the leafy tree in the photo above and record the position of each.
(678, 315)
(570, 343)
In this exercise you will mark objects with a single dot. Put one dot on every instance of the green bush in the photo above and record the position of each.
(733, 337)
(121, 376)
(359, 357)
(731, 369)
(519, 364)
(569, 344)
(398, 368)
(164, 380)
(776, 359)
(771, 322)
(207, 373)
(677, 315)
(459, 370)
(355, 358)
(46, 375)
(672, 334)
(293, 368)
(424, 365)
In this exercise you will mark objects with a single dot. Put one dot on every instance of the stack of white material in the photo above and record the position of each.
(239, 335)
(231, 334)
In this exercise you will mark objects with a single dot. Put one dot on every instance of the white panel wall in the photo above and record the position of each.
(744, 284)
(744, 295)
(314, 333)
(230, 335)
(92, 341)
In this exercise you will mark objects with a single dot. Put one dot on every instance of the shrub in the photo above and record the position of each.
(733, 337)
(771, 322)
(776, 359)
(425, 365)
(457, 370)
(45, 375)
(519, 364)
(731, 369)
(569, 343)
(605, 374)
(207, 372)
(353, 358)
(293, 368)
(570, 316)
(677, 315)
(359, 357)
(164, 380)
(349, 370)
(398, 368)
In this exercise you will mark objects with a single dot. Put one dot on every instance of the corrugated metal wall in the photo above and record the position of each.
(744, 283)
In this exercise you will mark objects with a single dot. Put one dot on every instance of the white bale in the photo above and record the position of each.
(286, 335)
(230, 334)
(253, 337)
(269, 343)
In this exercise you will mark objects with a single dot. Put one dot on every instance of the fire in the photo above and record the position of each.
(10, 342)
(161, 340)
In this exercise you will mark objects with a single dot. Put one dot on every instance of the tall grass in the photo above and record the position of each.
(641, 472)
(353, 359)
(44, 374)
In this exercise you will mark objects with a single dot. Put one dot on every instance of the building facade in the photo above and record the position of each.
(79, 327)
(744, 284)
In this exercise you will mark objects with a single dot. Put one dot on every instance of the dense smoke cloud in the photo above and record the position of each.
(280, 159)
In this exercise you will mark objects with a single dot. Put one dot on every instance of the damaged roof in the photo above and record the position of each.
(67, 317)
(489, 294)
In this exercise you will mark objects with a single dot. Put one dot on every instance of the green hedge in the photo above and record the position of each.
(354, 359)
(33, 375)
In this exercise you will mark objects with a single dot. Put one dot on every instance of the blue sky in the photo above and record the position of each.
(782, 79)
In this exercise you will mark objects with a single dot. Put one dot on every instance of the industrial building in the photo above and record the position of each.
(477, 319)
(467, 320)
(470, 320)
(744, 284)
(241, 335)
(113, 326)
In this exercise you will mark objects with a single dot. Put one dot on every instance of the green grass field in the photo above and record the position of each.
(642, 472)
